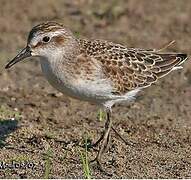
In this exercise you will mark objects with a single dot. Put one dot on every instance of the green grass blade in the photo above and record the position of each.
(85, 161)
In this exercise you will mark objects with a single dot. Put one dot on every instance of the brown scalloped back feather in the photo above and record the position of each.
(129, 68)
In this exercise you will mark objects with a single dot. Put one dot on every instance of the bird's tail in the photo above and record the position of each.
(169, 62)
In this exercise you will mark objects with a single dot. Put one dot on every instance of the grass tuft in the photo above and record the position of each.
(101, 115)
(48, 163)
(85, 161)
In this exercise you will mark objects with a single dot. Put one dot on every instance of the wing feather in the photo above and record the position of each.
(130, 68)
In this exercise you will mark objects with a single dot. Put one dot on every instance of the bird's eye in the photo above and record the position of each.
(46, 39)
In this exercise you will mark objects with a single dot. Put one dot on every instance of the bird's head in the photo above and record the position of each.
(45, 40)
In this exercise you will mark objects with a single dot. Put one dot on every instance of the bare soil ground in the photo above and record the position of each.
(40, 126)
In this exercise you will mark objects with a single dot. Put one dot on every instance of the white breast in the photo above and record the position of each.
(96, 91)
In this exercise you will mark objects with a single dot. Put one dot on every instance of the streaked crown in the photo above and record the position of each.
(49, 35)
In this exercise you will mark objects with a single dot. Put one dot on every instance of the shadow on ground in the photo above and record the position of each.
(6, 127)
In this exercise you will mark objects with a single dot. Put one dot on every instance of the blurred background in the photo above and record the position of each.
(37, 122)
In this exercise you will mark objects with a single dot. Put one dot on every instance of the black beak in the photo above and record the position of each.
(26, 52)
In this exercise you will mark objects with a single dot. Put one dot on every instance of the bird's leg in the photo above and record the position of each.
(106, 135)
(105, 139)
(101, 137)
(97, 142)
(125, 141)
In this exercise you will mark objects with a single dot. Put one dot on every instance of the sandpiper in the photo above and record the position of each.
(95, 70)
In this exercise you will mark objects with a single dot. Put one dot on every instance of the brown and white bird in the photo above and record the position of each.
(98, 71)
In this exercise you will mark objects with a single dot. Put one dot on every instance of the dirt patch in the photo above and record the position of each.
(42, 128)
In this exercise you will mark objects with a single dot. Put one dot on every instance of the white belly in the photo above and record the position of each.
(94, 91)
